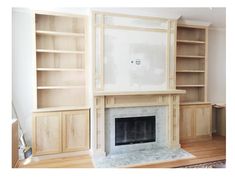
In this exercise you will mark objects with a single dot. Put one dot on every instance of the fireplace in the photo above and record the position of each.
(112, 107)
(133, 130)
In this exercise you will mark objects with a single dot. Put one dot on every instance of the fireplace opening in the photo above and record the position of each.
(132, 130)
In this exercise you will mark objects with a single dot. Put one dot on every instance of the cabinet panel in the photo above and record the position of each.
(203, 121)
(46, 133)
(195, 122)
(75, 130)
(186, 122)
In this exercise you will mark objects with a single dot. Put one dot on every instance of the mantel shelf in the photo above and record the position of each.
(195, 103)
(116, 93)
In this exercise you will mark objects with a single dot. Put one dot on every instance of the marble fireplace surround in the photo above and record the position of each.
(159, 112)
(108, 100)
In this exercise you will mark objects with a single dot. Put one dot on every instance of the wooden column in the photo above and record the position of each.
(99, 122)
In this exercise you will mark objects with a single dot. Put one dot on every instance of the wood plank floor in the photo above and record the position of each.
(204, 151)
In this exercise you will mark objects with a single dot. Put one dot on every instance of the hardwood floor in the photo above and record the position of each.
(204, 151)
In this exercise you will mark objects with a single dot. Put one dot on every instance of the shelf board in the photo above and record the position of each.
(61, 108)
(54, 33)
(61, 69)
(58, 87)
(185, 71)
(186, 86)
(191, 41)
(59, 51)
(190, 56)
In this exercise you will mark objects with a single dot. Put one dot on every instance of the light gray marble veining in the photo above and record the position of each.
(154, 155)
(160, 113)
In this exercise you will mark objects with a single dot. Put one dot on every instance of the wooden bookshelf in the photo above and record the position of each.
(191, 76)
(191, 63)
(60, 61)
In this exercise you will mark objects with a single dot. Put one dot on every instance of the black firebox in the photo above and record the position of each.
(132, 130)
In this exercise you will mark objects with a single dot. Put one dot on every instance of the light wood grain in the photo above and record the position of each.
(75, 130)
(47, 136)
(195, 122)
(60, 60)
(192, 47)
(204, 151)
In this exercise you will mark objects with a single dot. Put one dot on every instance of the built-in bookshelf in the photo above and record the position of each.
(60, 61)
(191, 63)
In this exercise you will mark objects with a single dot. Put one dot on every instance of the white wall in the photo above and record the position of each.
(22, 70)
(217, 66)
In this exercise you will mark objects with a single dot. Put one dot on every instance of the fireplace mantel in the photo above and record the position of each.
(122, 93)
(104, 100)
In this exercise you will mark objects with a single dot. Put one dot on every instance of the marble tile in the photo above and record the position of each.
(154, 155)
(160, 113)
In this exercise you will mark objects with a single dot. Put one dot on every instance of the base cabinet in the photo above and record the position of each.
(46, 133)
(195, 122)
(75, 131)
(58, 132)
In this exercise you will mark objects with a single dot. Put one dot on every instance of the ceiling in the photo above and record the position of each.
(215, 16)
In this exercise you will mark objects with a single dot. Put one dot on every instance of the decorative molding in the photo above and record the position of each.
(193, 22)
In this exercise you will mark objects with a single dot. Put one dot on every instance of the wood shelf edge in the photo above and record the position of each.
(64, 108)
(118, 93)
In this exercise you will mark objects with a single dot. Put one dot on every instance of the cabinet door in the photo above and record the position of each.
(75, 130)
(186, 122)
(46, 133)
(203, 120)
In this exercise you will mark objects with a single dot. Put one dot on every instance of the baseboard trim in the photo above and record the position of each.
(60, 155)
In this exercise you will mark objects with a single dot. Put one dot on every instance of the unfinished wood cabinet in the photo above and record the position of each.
(59, 132)
(61, 85)
(195, 122)
(203, 125)
(47, 133)
(75, 131)
(186, 122)
(191, 76)
(60, 61)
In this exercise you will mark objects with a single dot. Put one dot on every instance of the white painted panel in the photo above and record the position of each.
(134, 60)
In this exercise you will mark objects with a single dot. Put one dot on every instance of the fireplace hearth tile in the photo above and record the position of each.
(155, 155)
